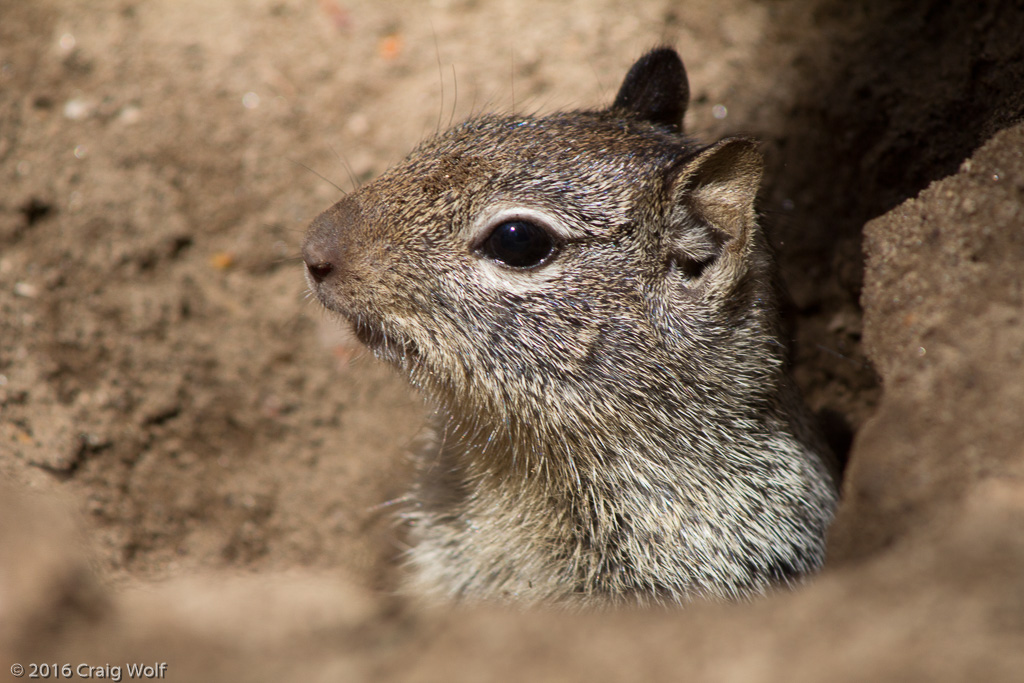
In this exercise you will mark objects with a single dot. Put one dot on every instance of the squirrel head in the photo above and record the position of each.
(529, 272)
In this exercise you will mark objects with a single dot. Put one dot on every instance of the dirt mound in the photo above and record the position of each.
(230, 461)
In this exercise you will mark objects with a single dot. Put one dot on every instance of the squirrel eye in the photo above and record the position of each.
(518, 244)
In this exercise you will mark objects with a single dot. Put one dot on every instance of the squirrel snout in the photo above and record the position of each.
(319, 270)
(320, 249)
(324, 250)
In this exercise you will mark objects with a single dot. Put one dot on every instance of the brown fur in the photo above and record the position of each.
(614, 425)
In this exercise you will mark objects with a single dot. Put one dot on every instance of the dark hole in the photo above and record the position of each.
(34, 210)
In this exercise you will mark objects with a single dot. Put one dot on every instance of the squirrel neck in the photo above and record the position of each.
(600, 453)
(582, 519)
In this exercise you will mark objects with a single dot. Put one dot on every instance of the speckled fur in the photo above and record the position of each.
(615, 426)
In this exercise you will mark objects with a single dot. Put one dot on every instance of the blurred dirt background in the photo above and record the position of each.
(196, 468)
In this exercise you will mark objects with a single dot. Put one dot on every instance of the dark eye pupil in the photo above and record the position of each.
(519, 244)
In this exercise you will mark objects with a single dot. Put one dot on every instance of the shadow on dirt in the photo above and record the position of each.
(893, 96)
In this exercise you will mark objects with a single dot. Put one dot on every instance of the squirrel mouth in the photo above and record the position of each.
(370, 332)
(386, 346)
(371, 336)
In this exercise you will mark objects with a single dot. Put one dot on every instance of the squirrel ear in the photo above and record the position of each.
(720, 185)
(713, 196)
(656, 89)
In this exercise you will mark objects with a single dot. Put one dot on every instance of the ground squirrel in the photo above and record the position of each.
(586, 299)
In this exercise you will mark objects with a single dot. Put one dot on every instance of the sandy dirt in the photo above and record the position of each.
(198, 469)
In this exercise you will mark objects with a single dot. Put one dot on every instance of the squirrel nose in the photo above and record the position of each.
(321, 249)
(319, 270)
(331, 249)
